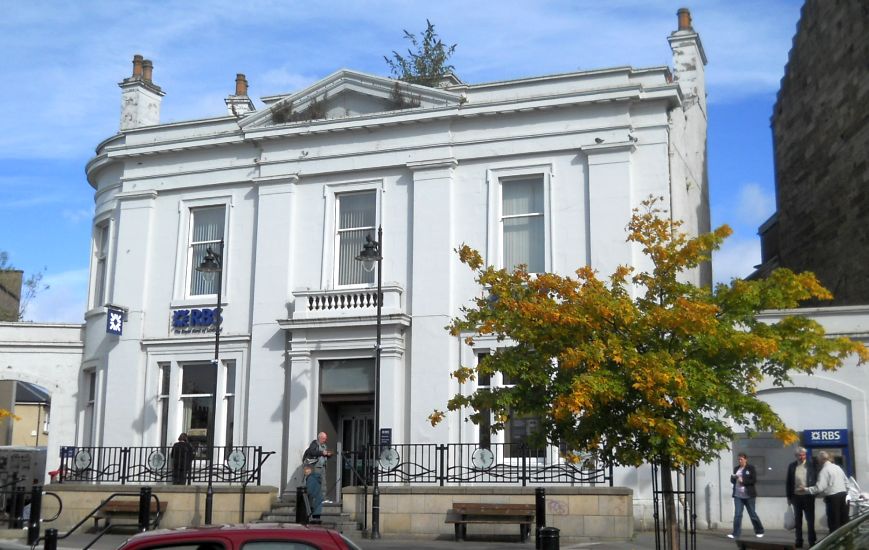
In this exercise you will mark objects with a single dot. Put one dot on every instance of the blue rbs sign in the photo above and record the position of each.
(825, 437)
(191, 320)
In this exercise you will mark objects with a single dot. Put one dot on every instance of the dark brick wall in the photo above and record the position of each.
(821, 141)
(10, 294)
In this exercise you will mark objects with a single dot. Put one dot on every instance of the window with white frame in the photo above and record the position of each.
(164, 370)
(484, 381)
(518, 430)
(229, 399)
(206, 231)
(91, 385)
(523, 237)
(356, 214)
(101, 253)
(198, 383)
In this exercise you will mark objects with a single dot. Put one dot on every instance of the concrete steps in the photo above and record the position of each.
(332, 517)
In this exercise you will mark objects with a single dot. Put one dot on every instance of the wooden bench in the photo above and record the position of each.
(464, 513)
(765, 544)
(123, 508)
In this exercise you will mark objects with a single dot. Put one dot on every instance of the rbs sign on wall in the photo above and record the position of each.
(192, 320)
(827, 436)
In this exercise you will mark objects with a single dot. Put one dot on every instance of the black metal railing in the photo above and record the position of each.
(496, 463)
(146, 465)
(684, 497)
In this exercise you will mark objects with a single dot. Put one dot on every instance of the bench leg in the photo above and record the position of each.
(458, 531)
(523, 532)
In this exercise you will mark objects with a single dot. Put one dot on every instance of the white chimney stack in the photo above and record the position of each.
(140, 97)
(689, 60)
(239, 104)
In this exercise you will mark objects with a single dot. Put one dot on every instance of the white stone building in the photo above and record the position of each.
(543, 171)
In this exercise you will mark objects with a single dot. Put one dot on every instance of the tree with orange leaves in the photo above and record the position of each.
(644, 367)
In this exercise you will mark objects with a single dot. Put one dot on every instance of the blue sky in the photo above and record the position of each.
(62, 62)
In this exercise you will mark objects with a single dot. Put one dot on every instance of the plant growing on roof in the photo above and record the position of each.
(426, 63)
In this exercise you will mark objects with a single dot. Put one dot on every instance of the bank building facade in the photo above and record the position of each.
(542, 171)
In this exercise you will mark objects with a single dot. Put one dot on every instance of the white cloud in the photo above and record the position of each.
(66, 60)
(736, 258)
(63, 302)
(755, 204)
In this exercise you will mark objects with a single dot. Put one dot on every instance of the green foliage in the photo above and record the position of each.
(427, 65)
(644, 366)
(287, 112)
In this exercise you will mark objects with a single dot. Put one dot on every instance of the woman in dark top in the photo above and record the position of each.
(743, 479)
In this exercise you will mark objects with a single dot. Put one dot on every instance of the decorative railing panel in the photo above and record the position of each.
(143, 465)
(351, 302)
(496, 463)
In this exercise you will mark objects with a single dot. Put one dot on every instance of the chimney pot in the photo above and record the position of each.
(137, 66)
(240, 85)
(684, 15)
(147, 70)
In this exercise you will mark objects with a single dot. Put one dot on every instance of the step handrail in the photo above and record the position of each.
(108, 526)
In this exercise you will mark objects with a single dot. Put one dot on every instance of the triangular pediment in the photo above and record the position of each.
(347, 94)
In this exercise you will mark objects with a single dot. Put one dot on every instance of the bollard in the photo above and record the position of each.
(301, 506)
(50, 540)
(144, 508)
(17, 519)
(539, 513)
(549, 538)
(35, 509)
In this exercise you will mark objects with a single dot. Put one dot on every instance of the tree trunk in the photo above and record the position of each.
(671, 520)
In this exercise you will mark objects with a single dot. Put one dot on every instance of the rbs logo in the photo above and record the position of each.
(826, 435)
(194, 318)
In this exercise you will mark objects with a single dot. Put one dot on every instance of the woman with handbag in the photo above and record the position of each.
(744, 494)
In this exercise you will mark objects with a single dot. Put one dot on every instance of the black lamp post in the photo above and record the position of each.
(212, 264)
(372, 252)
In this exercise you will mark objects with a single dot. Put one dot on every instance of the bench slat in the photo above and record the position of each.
(476, 507)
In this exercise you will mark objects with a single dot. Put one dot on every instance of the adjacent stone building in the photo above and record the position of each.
(10, 293)
(820, 127)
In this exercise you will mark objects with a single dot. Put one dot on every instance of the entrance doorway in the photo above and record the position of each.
(356, 432)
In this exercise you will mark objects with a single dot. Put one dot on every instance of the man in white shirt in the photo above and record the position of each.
(832, 486)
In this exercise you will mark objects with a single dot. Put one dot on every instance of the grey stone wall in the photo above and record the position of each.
(821, 146)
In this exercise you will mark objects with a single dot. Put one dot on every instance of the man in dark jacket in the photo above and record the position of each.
(802, 473)
(182, 460)
(315, 457)
(744, 494)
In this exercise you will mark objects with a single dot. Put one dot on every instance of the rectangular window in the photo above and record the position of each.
(101, 253)
(522, 223)
(163, 402)
(230, 402)
(485, 426)
(346, 376)
(198, 382)
(518, 433)
(91, 385)
(356, 218)
(206, 231)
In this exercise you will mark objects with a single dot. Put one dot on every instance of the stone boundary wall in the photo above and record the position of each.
(581, 514)
(186, 503)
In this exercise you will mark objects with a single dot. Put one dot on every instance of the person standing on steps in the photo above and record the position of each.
(744, 495)
(802, 473)
(316, 456)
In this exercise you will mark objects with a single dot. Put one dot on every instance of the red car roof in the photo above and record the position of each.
(232, 537)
